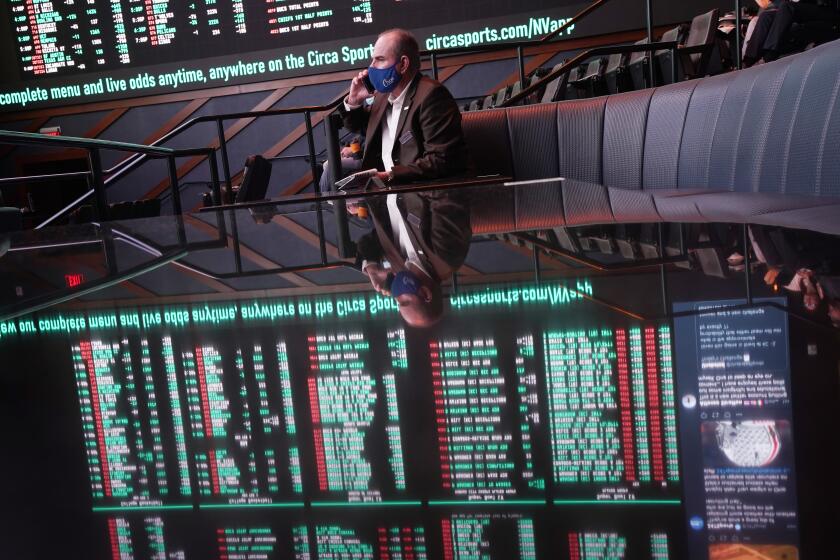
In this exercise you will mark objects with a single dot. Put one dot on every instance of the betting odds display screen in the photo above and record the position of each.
(531, 423)
(71, 51)
(737, 434)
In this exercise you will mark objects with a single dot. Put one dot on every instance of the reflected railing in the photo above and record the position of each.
(223, 243)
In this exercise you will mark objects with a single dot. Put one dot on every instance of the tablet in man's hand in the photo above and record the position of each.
(357, 180)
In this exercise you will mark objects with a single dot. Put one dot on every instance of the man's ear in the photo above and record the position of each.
(425, 293)
(404, 64)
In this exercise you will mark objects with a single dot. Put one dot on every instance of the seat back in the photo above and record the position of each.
(664, 68)
(701, 32)
(614, 62)
(593, 70)
(501, 96)
(550, 93)
(255, 178)
(668, 36)
(637, 66)
(635, 57)
(615, 75)
(517, 87)
(568, 90)
(486, 134)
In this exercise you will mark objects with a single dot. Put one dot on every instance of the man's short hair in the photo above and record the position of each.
(405, 44)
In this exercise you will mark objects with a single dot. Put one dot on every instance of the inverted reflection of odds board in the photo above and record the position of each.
(171, 420)
(216, 426)
(346, 394)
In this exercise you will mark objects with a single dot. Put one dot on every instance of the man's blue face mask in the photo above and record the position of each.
(384, 80)
(404, 282)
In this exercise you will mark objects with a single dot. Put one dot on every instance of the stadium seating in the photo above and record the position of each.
(567, 88)
(766, 130)
(552, 88)
(703, 51)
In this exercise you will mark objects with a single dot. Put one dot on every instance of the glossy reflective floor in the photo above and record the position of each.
(229, 382)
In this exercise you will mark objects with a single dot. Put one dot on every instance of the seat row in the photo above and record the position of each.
(701, 55)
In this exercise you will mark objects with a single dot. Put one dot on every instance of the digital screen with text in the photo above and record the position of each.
(737, 433)
(73, 51)
(532, 423)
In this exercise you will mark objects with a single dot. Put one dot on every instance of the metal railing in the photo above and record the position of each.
(677, 51)
(175, 255)
(337, 200)
(94, 175)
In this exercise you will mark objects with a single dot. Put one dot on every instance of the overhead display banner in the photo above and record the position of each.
(733, 380)
(79, 51)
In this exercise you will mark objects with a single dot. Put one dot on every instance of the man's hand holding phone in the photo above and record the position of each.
(360, 89)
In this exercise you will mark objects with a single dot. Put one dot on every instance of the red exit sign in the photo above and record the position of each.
(73, 280)
(51, 131)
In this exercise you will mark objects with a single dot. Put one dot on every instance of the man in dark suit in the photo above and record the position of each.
(775, 22)
(413, 130)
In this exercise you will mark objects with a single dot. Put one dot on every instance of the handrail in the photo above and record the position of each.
(45, 178)
(94, 175)
(567, 66)
(123, 167)
(317, 197)
(13, 137)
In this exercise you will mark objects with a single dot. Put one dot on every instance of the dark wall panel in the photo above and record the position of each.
(136, 125)
(476, 80)
(71, 125)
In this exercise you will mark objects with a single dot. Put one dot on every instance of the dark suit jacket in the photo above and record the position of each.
(438, 224)
(429, 142)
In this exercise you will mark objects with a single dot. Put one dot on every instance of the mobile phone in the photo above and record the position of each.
(368, 84)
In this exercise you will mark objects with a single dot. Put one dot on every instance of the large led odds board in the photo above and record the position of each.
(61, 52)
(531, 423)
(69, 51)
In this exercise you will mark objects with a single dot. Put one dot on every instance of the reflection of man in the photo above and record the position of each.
(428, 243)
(413, 133)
